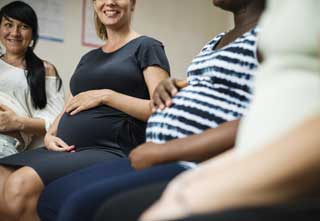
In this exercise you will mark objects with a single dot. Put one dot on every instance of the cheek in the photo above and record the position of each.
(2, 31)
(128, 12)
(2, 34)
(27, 36)
(1, 42)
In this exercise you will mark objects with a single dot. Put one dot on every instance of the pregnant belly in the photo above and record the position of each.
(92, 128)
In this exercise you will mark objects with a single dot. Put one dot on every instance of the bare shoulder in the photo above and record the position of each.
(50, 69)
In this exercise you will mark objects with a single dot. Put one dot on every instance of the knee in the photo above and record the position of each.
(18, 192)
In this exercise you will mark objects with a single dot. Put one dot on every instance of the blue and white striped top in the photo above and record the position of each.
(220, 89)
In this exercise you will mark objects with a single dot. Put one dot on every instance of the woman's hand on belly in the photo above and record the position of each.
(166, 89)
(56, 144)
(87, 100)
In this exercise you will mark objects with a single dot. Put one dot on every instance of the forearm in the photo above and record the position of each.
(135, 107)
(285, 170)
(31, 125)
(200, 147)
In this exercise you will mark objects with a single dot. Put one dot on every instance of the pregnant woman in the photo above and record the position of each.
(104, 117)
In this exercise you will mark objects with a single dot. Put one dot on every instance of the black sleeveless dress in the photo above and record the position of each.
(102, 133)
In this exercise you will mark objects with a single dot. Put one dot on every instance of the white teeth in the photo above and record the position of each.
(110, 13)
(12, 40)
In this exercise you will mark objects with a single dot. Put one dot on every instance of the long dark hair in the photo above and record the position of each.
(35, 69)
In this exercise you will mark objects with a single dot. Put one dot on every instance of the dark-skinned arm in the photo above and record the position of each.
(165, 90)
(198, 147)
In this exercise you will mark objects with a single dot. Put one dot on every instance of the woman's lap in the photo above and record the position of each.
(301, 211)
(137, 201)
(55, 194)
(74, 202)
(51, 165)
(134, 202)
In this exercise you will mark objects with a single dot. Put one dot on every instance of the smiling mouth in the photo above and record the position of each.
(14, 40)
(111, 13)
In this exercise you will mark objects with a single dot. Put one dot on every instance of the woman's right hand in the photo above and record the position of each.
(166, 89)
(87, 100)
(56, 144)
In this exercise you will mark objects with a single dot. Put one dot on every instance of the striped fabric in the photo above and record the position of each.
(219, 90)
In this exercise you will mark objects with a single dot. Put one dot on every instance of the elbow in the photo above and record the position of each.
(146, 115)
(145, 118)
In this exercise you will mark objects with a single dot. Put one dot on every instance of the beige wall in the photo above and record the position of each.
(184, 26)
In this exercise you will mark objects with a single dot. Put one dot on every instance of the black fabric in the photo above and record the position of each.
(51, 165)
(121, 71)
(101, 133)
(301, 211)
(128, 206)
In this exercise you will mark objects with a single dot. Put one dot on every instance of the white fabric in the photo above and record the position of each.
(15, 106)
(8, 145)
(14, 84)
(287, 87)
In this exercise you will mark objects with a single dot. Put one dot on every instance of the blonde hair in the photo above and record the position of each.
(100, 27)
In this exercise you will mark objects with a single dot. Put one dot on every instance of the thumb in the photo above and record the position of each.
(2, 107)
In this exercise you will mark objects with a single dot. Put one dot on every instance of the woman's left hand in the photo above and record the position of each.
(87, 100)
(9, 121)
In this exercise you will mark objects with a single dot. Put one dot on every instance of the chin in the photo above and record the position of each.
(111, 25)
(112, 22)
(15, 50)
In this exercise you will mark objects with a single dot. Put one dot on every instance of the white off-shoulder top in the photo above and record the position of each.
(14, 88)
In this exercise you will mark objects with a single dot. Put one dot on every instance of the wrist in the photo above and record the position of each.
(19, 123)
(107, 96)
(51, 132)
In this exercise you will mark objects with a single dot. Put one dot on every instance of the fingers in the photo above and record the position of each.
(62, 145)
(166, 95)
(59, 145)
(152, 106)
(81, 102)
(172, 86)
(163, 94)
(2, 107)
(157, 99)
(72, 105)
(77, 110)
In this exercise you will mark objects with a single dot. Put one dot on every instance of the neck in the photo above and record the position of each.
(248, 16)
(118, 38)
(119, 33)
(14, 59)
